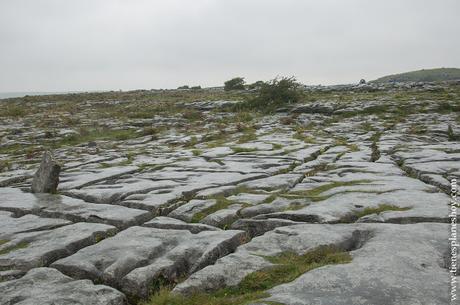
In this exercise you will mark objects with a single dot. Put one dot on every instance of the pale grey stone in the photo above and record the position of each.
(24, 251)
(136, 257)
(162, 222)
(45, 286)
(58, 206)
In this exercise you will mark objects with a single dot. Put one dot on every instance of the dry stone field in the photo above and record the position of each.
(175, 197)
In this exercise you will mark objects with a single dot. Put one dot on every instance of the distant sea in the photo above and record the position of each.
(21, 94)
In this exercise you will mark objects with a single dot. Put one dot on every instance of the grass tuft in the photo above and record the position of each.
(287, 267)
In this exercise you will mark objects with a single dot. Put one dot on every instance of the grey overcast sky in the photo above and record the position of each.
(60, 45)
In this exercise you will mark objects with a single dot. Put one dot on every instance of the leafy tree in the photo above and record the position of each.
(183, 87)
(236, 83)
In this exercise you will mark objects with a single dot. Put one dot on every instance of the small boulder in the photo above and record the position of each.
(46, 179)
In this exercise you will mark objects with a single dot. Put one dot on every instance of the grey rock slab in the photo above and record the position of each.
(15, 176)
(422, 207)
(28, 223)
(45, 286)
(46, 178)
(399, 265)
(137, 257)
(257, 227)
(162, 222)
(88, 176)
(118, 190)
(73, 209)
(188, 210)
(391, 264)
(24, 251)
(248, 198)
(223, 217)
(277, 205)
(282, 181)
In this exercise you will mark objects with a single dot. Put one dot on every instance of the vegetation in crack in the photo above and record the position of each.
(286, 267)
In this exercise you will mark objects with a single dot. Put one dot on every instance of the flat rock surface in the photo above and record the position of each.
(40, 248)
(133, 259)
(370, 278)
(44, 286)
(73, 209)
(175, 190)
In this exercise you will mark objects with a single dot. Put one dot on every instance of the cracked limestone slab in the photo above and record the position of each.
(223, 217)
(116, 191)
(187, 211)
(248, 198)
(135, 258)
(45, 286)
(162, 222)
(276, 182)
(27, 223)
(73, 209)
(384, 269)
(23, 251)
(88, 176)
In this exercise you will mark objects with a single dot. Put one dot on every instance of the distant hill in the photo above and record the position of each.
(429, 75)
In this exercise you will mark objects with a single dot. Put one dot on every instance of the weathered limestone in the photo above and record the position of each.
(135, 258)
(162, 222)
(24, 251)
(375, 275)
(57, 206)
(46, 179)
(45, 286)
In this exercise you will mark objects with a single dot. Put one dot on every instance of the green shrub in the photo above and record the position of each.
(274, 94)
(236, 83)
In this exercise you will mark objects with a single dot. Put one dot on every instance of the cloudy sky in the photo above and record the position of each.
(60, 45)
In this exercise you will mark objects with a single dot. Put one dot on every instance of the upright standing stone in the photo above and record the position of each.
(46, 178)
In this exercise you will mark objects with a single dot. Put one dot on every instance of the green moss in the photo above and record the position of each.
(287, 267)
(381, 208)
(18, 246)
(97, 134)
(277, 146)
(238, 149)
(197, 152)
(326, 187)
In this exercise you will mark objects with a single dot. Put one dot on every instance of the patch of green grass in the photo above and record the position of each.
(353, 147)
(451, 136)
(247, 136)
(301, 136)
(238, 149)
(221, 203)
(287, 267)
(88, 135)
(5, 165)
(277, 146)
(197, 152)
(18, 246)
